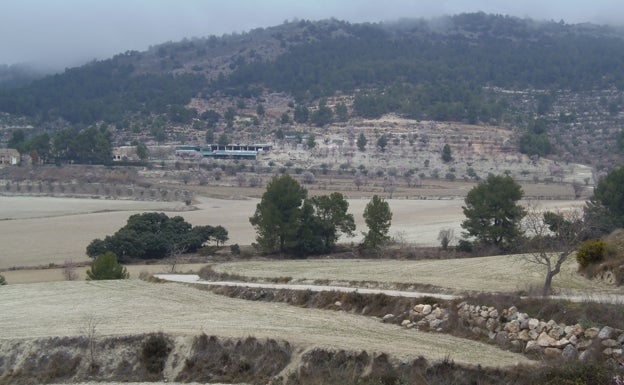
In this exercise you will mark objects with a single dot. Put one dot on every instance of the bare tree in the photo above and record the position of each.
(446, 236)
(240, 179)
(358, 180)
(255, 181)
(553, 238)
(578, 189)
(308, 177)
(175, 256)
(389, 185)
(89, 331)
(69, 270)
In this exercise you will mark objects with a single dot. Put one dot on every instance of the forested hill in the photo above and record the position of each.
(425, 69)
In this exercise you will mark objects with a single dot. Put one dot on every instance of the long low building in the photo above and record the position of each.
(230, 151)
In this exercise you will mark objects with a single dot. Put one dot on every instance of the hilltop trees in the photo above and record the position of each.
(155, 236)
(287, 221)
(492, 213)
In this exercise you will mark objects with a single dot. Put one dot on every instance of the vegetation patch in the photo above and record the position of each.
(232, 361)
(154, 353)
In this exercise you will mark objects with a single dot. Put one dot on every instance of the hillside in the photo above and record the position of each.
(555, 86)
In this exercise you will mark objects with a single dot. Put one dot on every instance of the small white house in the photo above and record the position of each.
(9, 156)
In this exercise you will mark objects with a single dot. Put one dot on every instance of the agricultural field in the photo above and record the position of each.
(39, 231)
(507, 273)
(131, 307)
(45, 306)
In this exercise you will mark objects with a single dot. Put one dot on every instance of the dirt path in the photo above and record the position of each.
(194, 279)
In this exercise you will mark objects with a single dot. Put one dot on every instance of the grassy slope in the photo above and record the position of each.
(133, 306)
(490, 274)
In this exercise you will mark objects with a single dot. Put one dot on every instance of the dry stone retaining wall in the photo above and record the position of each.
(510, 327)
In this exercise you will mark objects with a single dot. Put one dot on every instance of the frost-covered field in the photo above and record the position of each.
(129, 307)
(37, 231)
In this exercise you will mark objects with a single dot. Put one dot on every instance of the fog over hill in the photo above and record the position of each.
(67, 33)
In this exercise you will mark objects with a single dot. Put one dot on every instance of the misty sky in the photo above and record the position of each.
(62, 33)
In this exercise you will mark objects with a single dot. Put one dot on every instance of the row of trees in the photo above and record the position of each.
(287, 221)
(71, 145)
(156, 236)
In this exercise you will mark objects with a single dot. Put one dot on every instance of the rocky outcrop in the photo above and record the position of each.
(510, 327)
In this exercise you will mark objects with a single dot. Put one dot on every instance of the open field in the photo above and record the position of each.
(487, 274)
(53, 230)
(132, 306)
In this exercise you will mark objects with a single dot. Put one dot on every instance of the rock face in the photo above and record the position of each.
(510, 327)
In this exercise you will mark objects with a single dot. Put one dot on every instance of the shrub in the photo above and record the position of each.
(2, 280)
(465, 246)
(106, 266)
(154, 353)
(235, 249)
(591, 251)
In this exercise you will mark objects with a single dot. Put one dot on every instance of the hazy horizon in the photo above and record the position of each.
(62, 33)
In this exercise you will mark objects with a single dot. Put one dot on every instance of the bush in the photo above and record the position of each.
(154, 353)
(2, 280)
(465, 246)
(106, 266)
(591, 251)
(235, 249)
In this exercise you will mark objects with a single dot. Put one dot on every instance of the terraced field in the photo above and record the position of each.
(488, 274)
(133, 306)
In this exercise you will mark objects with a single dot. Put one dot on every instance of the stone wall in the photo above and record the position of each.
(509, 327)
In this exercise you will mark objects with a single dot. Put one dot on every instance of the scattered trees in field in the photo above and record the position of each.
(106, 266)
(287, 221)
(156, 236)
(493, 215)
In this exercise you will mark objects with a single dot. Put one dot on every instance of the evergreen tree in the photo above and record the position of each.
(446, 153)
(106, 266)
(361, 142)
(277, 215)
(333, 218)
(378, 217)
(492, 213)
(301, 114)
(610, 194)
